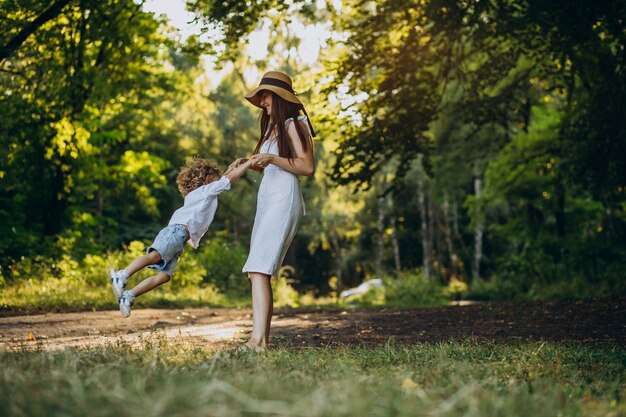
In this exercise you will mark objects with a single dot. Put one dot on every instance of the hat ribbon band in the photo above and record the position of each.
(276, 83)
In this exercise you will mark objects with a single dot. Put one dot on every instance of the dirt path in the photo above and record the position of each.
(599, 322)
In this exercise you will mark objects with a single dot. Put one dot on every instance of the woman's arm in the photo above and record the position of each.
(233, 173)
(302, 164)
(238, 162)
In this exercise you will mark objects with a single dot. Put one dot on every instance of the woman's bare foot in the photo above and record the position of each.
(251, 348)
(255, 345)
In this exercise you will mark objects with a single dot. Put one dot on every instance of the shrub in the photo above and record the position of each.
(411, 289)
(408, 289)
(284, 293)
(568, 287)
(44, 282)
(222, 258)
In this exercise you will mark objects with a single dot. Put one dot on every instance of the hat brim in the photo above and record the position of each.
(254, 98)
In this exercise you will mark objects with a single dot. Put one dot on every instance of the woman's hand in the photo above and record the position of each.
(261, 160)
(237, 162)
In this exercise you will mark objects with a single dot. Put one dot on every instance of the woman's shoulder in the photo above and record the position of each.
(300, 119)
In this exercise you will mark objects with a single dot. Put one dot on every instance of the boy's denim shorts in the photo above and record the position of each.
(169, 243)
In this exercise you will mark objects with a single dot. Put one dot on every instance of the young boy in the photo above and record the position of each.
(200, 184)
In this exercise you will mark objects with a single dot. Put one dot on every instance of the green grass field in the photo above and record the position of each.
(163, 378)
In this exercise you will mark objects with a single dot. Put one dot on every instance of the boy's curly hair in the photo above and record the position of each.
(195, 173)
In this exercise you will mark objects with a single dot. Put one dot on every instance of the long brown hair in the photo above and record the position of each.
(282, 110)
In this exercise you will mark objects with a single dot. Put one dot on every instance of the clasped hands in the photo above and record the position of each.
(259, 161)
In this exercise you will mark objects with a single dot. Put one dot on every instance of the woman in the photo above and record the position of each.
(284, 152)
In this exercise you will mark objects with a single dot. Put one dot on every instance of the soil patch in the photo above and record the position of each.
(591, 322)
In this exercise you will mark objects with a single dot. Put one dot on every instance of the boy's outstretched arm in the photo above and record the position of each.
(238, 162)
(234, 172)
(234, 165)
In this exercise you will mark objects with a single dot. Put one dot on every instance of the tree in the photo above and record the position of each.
(73, 88)
(19, 31)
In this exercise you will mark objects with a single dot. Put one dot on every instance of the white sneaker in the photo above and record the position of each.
(126, 303)
(118, 284)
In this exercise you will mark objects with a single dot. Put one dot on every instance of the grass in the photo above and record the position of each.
(164, 378)
(54, 294)
(72, 292)
(68, 283)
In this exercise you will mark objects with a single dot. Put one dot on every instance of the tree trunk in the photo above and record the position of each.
(380, 244)
(395, 243)
(478, 229)
(100, 199)
(55, 209)
(448, 235)
(559, 213)
(421, 197)
(431, 223)
(334, 240)
(394, 235)
(559, 216)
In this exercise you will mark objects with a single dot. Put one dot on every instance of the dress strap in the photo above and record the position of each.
(307, 123)
(310, 126)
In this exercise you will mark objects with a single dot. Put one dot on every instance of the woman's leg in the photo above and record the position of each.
(269, 317)
(150, 283)
(262, 308)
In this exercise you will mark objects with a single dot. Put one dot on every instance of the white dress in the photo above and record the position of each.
(278, 211)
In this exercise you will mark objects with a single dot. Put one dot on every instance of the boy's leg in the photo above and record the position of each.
(262, 306)
(128, 297)
(150, 283)
(143, 261)
(120, 278)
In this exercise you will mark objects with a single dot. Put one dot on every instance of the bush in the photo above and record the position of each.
(511, 288)
(408, 289)
(411, 289)
(284, 293)
(44, 282)
(223, 258)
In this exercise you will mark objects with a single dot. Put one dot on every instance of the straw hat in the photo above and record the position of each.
(279, 83)
(275, 81)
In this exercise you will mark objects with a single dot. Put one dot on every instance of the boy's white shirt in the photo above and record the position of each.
(199, 209)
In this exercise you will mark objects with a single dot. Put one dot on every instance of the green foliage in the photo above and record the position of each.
(228, 22)
(444, 379)
(566, 287)
(407, 289)
(549, 238)
(375, 297)
(101, 106)
(223, 259)
(283, 292)
(476, 77)
(79, 95)
(410, 289)
(47, 283)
